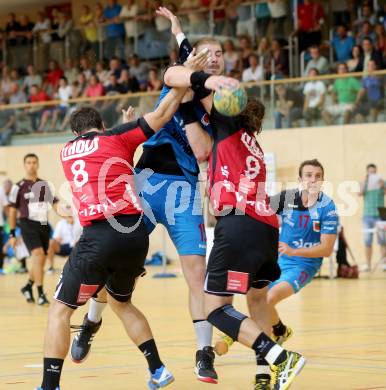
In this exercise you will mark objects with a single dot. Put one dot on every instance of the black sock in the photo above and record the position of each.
(263, 345)
(279, 329)
(150, 351)
(40, 290)
(30, 283)
(51, 373)
(22, 262)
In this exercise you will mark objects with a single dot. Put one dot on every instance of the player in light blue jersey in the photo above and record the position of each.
(309, 223)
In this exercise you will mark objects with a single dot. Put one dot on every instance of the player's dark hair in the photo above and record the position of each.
(252, 116)
(30, 155)
(85, 119)
(314, 162)
(371, 166)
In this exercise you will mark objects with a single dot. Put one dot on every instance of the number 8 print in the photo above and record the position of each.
(80, 175)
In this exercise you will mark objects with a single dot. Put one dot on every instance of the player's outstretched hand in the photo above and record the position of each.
(285, 249)
(166, 13)
(128, 115)
(197, 62)
(217, 82)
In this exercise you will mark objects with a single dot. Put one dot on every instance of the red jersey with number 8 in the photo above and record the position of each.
(237, 171)
(99, 168)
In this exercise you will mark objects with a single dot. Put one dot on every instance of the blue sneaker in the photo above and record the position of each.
(161, 378)
(40, 388)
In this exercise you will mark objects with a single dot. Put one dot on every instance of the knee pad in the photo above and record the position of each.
(228, 320)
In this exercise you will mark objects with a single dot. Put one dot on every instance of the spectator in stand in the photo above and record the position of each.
(280, 59)
(197, 12)
(367, 15)
(94, 88)
(342, 44)
(231, 57)
(317, 61)
(218, 16)
(115, 30)
(310, 20)
(278, 10)
(113, 86)
(64, 95)
(289, 106)
(100, 21)
(366, 32)
(65, 26)
(18, 96)
(25, 35)
(42, 28)
(245, 45)
(139, 70)
(53, 76)
(7, 126)
(32, 78)
(101, 72)
(353, 62)
(264, 52)
(70, 71)
(341, 12)
(40, 114)
(381, 15)
(90, 31)
(373, 192)
(380, 43)
(12, 29)
(345, 92)
(244, 25)
(128, 82)
(254, 72)
(82, 83)
(263, 17)
(314, 96)
(231, 17)
(128, 15)
(154, 83)
(55, 24)
(85, 67)
(369, 53)
(16, 78)
(370, 98)
(6, 83)
(115, 67)
(76, 92)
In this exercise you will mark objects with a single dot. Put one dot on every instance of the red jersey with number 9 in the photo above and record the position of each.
(99, 168)
(237, 171)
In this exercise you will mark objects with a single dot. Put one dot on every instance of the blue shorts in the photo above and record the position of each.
(369, 224)
(297, 275)
(176, 204)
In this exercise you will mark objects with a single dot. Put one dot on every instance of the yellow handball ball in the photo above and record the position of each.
(230, 102)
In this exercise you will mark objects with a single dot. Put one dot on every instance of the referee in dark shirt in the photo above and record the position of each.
(32, 198)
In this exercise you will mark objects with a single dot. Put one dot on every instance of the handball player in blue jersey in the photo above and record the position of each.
(171, 196)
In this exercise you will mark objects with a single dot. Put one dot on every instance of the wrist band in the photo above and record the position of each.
(12, 233)
(180, 37)
(188, 113)
(198, 79)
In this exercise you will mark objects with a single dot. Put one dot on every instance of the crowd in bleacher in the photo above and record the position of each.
(102, 60)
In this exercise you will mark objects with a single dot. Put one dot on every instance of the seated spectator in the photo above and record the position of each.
(254, 72)
(314, 96)
(25, 33)
(197, 12)
(371, 97)
(278, 10)
(380, 43)
(7, 126)
(342, 44)
(101, 72)
(113, 86)
(12, 29)
(353, 62)
(6, 83)
(317, 61)
(264, 52)
(367, 15)
(39, 115)
(82, 83)
(369, 53)
(139, 70)
(366, 32)
(17, 96)
(65, 26)
(85, 67)
(94, 88)
(310, 20)
(70, 71)
(231, 57)
(154, 83)
(128, 82)
(115, 67)
(16, 78)
(32, 78)
(90, 30)
(64, 95)
(115, 31)
(246, 48)
(345, 92)
(289, 106)
(66, 234)
(280, 59)
(42, 28)
(76, 92)
(53, 76)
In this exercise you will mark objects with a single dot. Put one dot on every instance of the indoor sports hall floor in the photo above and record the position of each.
(339, 325)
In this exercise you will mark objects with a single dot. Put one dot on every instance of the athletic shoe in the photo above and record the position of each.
(262, 382)
(365, 268)
(42, 300)
(222, 346)
(81, 344)
(204, 366)
(161, 378)
(50, 271)
(283, 338)
(27, 292)
(284, 373)
(40, 388)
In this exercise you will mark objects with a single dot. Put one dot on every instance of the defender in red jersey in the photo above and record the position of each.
(244, 254)
(114, 243)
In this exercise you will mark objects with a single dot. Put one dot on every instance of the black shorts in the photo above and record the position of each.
(244, 255)
(104, 256)
(64, 250)
(35, 235)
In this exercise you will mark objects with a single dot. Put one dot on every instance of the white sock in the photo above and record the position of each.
(95, 310)
(273, 354)
(204, 331)
(263, 369)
